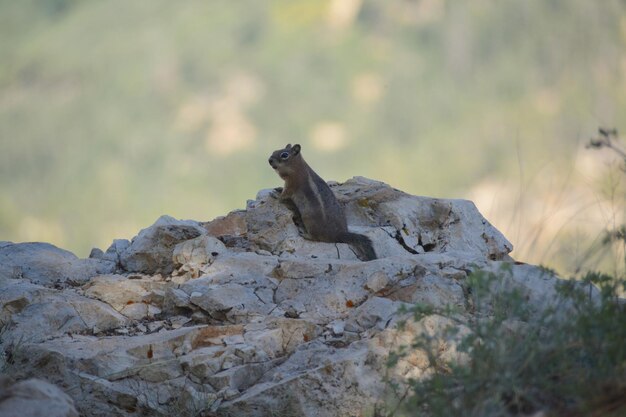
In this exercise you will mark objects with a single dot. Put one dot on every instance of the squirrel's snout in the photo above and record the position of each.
(271, 161)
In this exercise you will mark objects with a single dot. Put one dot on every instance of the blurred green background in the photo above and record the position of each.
(115, 112)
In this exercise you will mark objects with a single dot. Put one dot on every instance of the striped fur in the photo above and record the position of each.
(314, 203)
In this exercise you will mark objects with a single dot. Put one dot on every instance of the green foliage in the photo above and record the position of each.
(566, 360)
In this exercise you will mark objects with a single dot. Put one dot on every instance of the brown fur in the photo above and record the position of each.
(314, 204)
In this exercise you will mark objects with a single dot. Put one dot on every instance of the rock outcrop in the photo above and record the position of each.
(241, 316)
(34, 398)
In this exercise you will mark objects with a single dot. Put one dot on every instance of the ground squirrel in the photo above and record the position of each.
(313, 203)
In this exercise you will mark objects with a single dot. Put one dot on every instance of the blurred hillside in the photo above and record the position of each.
(113, 113)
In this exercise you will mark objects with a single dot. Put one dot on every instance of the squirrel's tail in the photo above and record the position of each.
(361, 244)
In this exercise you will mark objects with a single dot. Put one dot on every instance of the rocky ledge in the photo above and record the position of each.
(240, 316)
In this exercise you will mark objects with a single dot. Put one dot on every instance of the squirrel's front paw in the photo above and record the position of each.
(276, 192)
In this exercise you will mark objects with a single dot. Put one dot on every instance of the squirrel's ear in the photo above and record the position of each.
(296, 149)
(288, 146)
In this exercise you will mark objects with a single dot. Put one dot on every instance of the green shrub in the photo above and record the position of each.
(566, 360)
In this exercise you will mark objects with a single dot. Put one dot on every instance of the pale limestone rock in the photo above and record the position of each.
(377, 281)
(341, 287)
(149, 358)
(230, 297)
(247, 264)
(437, 225)
(176, 299)
(240, 377)
(337, 327)
(196, 398)
(34, 313)
(248, 353)
(199, 251)
(15, 295)
(385, 241)
(134, 298)
(255, 320)
(232, 225)
(116, 290)
(151, 250)
(269, 341)
(34, 398)
(439, 292)
(113, 253)
(140, 311)
(232, 301)
(342, 378)
(432, 290)
(301, 268)
(45, 264)
(375, 312)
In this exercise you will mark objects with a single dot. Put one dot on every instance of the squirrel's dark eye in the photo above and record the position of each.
(284, 155)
